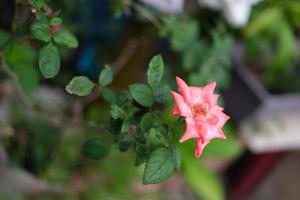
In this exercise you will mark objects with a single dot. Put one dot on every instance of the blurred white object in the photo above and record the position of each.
(166, 6)
(275, 126)
(236, 12)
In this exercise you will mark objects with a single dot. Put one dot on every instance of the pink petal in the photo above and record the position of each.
(223, 118)
(214, 99)
(199, 147)
(175, 111)
(191, 130)
(210, 87)
(211, 132)
(197, 95)
(184, 90)
(201, 95)
(182, 106)
(217, 111)
(221, 134)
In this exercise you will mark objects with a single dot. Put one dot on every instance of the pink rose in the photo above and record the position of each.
(203, 117)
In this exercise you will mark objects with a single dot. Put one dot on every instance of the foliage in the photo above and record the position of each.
(203, 61)
(133, 126)
(48, 142)
(274, 30)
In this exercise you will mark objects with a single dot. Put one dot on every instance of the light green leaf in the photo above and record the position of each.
(80, 85)
(49, 61)
(66, 38)
(142, 94)
(163, 94)
(40, 31)
(41, 17)
(146, 122)
(56, 21)
(95, 149)
(159, 166)
(106, 76)
(117, 112)
(155, 71)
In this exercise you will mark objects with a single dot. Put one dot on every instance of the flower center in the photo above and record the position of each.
(199, 110)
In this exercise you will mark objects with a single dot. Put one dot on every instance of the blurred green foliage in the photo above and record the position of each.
(272, 44)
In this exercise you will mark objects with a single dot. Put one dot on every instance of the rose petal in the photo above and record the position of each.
(199, 147)
(191, 130)
(184, 90)
(182, 106)
(175, 111)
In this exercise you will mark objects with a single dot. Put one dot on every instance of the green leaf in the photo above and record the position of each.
(21, 59)
(108, 95)
(40, 31)
(66, 38)
(124, 145)
(142, 94)
(159, 166)
(176, 156)
(80, 85)
(49, 61)
(106, 76)
(146, 122)
(117, 112)
(40, 17)
(37, 4)
(163, 94)
(56, 21)
(157, 138)
(155, 71)
(95, 149)
(141, 154)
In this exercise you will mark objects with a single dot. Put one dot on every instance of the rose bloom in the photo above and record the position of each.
(203, 117)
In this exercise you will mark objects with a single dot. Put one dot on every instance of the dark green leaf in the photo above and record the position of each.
(163, 94)
(114, 126)
(146, 122)
(142, 94)
(4, 36)
(108, 95)
(95, 149)
(49, 61)
(106, 76)
(141, 154)
(124, 145)
(66, 38)
(156, 138)
(176, 157)
(80, 85)
(155, 71)
(40, 31)
(159, 166)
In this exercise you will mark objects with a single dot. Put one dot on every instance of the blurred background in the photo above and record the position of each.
(249, 47)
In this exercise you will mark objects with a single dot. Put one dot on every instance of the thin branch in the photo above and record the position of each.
(144, 12)
(117, 66)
